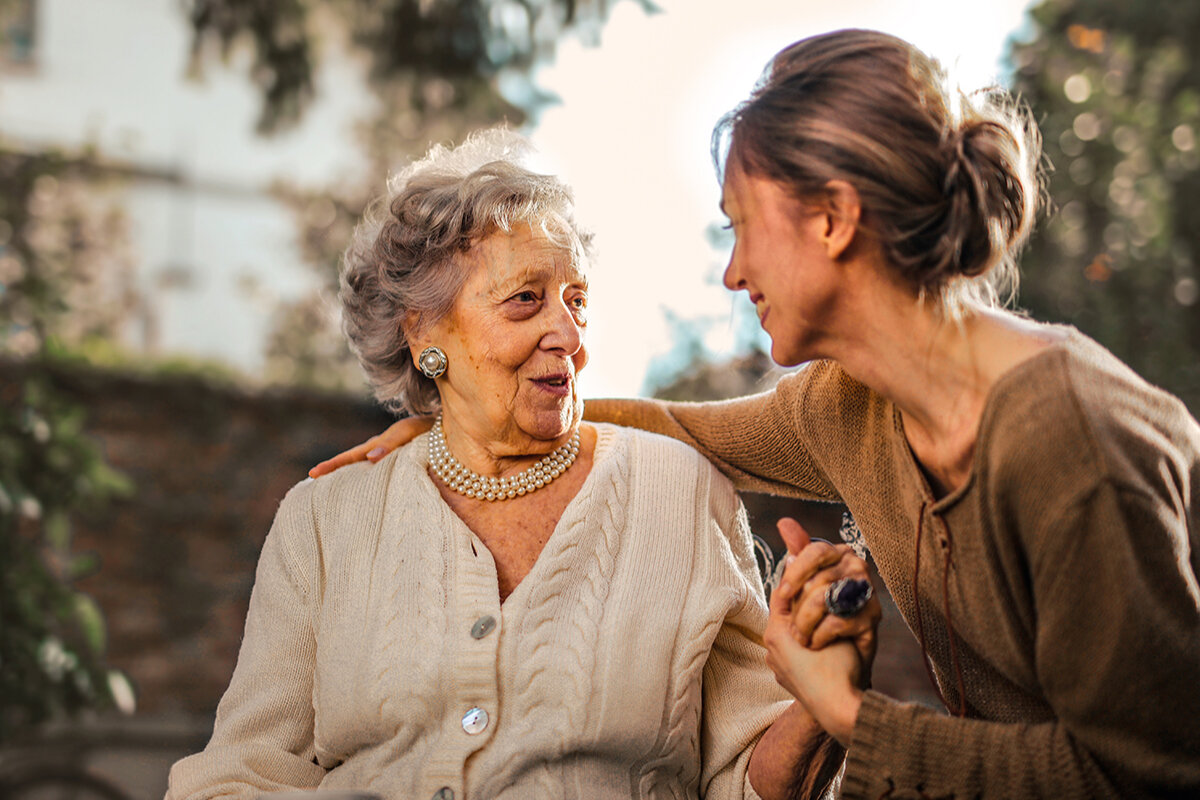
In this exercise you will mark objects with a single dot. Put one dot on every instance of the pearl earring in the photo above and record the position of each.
(432, 361)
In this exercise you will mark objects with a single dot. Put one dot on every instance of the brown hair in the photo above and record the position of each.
(409, 253)
(949, 183)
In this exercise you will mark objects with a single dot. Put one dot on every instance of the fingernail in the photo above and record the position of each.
(786, 587)
(376, 453)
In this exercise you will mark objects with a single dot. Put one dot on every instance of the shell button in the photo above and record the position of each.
(475, 721)
(483, 626)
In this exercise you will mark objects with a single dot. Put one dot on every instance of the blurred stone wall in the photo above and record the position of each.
(176, 559)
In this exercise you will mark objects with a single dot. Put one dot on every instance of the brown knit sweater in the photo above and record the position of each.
(1055, 591)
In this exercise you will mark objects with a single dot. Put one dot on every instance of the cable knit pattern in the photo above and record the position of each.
(1068, 561)
(626, 664)
(665, 775)
(570, 590)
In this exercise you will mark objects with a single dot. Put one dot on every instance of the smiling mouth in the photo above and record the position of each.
(553, 381)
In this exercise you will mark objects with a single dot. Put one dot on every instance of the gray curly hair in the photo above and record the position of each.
(408, 254)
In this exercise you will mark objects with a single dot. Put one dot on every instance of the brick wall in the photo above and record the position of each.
(210, 465)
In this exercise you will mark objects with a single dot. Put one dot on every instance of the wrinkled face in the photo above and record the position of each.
(515, 341)
(779, 258)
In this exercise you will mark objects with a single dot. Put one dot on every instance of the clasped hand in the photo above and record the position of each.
(822, 659)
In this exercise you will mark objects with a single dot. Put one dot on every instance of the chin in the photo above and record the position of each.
(785, 358)
(549, 424)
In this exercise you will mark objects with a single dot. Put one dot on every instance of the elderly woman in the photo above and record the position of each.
(515, 604)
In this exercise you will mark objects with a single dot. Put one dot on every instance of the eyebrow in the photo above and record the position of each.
(533, 273)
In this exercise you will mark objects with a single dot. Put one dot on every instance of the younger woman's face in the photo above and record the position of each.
(781, 260)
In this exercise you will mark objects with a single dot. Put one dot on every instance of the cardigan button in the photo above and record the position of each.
(475, 721)
(483, 626)
(444, 793)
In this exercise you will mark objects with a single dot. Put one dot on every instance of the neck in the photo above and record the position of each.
(461, 479)
(497, 452)
(937, 371)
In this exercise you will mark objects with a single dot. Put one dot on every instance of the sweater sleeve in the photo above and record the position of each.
(1117, 655)
(741, 697)
(756, 441)
(263, 735)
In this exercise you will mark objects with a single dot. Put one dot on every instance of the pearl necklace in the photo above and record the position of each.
(472, 484)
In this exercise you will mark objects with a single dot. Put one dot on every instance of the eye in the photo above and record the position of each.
(527, 296)
(579, 301)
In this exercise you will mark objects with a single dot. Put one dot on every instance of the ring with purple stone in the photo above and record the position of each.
(845, 597)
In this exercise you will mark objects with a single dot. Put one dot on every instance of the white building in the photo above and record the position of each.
(213, 247)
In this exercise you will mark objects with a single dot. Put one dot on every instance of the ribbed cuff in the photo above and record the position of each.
(865, 756)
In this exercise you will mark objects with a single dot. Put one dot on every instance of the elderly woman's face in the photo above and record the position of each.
(515, 340)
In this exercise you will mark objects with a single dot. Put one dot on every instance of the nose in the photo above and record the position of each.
(732, 278)
(564, 328)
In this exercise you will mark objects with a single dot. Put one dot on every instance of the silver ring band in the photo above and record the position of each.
(845, 597)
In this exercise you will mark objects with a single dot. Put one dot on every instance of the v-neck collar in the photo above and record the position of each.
(607, 440)
(995, 398)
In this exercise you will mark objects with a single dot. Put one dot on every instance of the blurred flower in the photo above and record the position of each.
(1187, 292)
(30, 508)
(1183, 137)
(122, 692)
(54, 659)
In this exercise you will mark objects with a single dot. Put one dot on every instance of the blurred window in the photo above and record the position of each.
(18, 29)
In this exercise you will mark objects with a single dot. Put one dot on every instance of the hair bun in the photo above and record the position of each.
(988, 208)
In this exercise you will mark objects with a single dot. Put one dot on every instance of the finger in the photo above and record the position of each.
(859, 627)
(399, 433)
(780, 604)
(809, 609)
(832, 628)
(816, 556)
(354, 454)
(796, 539)
(793, 535)
(403, 431)
(819, 555)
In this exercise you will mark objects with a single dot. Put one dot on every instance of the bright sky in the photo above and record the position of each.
(632, 137)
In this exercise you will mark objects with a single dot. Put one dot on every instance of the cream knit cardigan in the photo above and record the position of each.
(627, 664)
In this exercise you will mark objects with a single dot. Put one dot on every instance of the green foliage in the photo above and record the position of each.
(51, 636)
(54, 248)
(435, 52)
(1116, 89)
